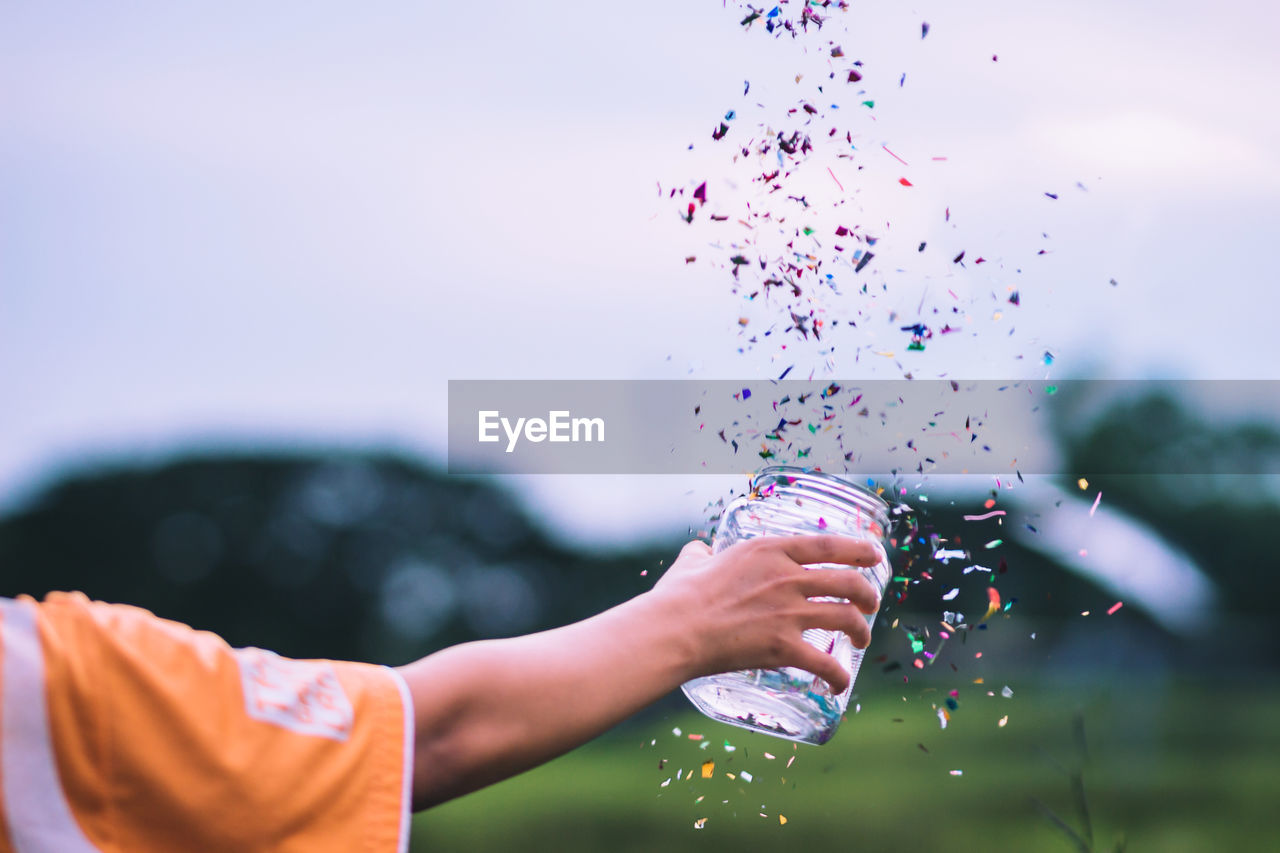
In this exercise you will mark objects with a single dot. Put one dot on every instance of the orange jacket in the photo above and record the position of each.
(120, 731)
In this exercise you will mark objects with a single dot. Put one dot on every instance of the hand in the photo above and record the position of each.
(748, 605)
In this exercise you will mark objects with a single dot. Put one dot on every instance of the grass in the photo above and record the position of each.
(1170, 768)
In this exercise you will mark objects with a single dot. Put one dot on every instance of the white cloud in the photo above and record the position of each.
(1158, 151)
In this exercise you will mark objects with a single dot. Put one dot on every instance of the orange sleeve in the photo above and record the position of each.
(166, 738)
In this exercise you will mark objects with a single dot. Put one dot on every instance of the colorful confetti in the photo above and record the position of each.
(984, 516)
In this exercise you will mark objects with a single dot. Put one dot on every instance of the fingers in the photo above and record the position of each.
(822, 665)
(827, 548)
(840, 583)
(835, 616)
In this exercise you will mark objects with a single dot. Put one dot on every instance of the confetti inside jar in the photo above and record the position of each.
(789, 702)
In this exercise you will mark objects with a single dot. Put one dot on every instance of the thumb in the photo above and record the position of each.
(696, 548)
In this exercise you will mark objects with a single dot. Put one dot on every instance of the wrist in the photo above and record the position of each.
(669, 630)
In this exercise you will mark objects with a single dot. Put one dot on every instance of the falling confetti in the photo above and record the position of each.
(812, 278)
(993, 603)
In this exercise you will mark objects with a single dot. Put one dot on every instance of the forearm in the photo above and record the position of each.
(488, 710)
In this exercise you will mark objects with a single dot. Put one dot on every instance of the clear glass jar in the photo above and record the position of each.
(789, 702)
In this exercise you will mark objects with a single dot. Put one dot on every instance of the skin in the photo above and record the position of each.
(488, 710)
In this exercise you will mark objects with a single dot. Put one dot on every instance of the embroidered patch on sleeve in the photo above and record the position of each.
(302, 696)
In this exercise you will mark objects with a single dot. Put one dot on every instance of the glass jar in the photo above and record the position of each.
(790, 702)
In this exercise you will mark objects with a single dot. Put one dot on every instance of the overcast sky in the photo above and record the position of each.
(293, 223)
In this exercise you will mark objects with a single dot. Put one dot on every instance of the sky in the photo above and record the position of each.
(288, 226)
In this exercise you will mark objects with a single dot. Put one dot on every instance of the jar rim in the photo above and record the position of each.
(855, 493)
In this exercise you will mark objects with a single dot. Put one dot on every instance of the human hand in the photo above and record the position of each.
(748, 605)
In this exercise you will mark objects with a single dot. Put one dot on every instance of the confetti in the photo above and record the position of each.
(791, 247)
(993, 603)
(1113, 608)
(708, 767)
(1096, 501)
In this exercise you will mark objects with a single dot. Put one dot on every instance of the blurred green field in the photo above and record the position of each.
(1186, 767)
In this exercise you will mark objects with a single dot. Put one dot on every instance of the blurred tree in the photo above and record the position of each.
(367, 557)
(1208, 488)
(377, 557)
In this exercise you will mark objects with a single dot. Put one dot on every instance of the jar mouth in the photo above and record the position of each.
(830, 486)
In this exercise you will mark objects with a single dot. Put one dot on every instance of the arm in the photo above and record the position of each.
(488, 710)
